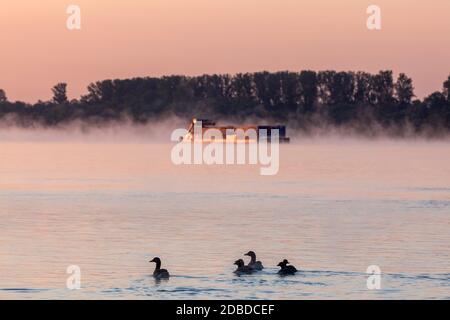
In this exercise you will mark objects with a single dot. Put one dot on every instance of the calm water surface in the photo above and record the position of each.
(335, 208)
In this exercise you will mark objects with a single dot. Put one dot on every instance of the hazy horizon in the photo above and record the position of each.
(125, 39)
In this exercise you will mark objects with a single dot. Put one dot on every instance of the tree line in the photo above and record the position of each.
(305, 100)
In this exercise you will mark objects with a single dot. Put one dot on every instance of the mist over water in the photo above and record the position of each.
(159, 131)
(109, 200)
(123, 131)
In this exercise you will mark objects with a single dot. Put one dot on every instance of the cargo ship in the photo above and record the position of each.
(198, 127)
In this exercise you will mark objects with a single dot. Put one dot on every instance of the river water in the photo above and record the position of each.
(336, 207)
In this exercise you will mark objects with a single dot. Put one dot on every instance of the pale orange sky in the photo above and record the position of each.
(128, 38)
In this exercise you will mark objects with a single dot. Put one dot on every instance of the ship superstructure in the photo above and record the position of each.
(198, 129)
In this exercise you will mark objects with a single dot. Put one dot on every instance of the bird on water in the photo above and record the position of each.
(242, 268)
(255, 265)
(159, 273)
(285, 269)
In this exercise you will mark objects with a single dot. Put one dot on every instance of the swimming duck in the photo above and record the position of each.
(159, 273)
(255, 265)
(242, 268)
(285, 269)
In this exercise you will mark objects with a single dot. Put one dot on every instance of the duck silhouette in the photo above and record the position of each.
(285, 269)
(242, 268)
(159, 273)
(255, 265)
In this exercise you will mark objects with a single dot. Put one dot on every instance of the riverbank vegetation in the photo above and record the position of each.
(306, 100)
